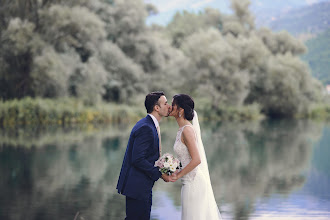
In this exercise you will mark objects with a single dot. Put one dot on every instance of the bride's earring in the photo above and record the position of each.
(179, 115)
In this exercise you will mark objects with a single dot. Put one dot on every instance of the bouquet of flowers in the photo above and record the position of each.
(168, 164)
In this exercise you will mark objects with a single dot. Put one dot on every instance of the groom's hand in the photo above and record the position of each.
(166, 178)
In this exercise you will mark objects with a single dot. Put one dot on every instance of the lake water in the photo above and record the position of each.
(259, 170)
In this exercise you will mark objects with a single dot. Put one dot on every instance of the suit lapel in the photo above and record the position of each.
(151, 122)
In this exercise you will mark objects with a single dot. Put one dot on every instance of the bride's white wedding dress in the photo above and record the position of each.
(197, 198)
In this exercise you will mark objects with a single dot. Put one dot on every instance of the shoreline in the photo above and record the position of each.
(68, 112)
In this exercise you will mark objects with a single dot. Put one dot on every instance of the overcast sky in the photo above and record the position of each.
(167, 8)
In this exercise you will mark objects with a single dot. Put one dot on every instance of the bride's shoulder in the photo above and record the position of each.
(188, 131)
(187, 127)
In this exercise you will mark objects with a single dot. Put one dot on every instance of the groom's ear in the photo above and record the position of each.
(156, 108)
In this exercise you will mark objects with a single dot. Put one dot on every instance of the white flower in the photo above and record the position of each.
(172, 168)
(166, 165)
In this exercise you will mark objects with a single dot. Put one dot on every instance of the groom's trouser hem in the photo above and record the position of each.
(138, 209)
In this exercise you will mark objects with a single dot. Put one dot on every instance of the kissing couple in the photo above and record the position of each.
(138, 173)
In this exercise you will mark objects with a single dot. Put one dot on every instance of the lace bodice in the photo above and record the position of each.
(197, 198)
(183, 155)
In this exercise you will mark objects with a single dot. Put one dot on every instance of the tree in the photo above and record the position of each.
(59, 48)
(216, 68)
(239, 64)
(19, 45)
(103, 50)
(124, 76)
(186, 23)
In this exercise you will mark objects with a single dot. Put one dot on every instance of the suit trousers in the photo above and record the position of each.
(138, 209)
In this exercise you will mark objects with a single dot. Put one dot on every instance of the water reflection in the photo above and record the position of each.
(54, 173)
(57, 172)
(258, 160)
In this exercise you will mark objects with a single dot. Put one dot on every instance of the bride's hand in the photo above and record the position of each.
(174, 177)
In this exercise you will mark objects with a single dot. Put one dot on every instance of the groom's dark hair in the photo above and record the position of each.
(152, 100)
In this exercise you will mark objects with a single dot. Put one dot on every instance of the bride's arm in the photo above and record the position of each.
(189, 140)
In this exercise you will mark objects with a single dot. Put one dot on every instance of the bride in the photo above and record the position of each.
(197, 197)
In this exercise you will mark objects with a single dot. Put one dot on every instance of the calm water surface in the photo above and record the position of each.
(259, 170)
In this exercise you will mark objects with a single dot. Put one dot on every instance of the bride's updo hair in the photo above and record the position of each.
(187, 103)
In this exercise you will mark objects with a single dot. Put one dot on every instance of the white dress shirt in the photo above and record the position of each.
(155, 120)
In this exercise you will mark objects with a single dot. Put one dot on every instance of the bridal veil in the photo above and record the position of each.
(211, 206)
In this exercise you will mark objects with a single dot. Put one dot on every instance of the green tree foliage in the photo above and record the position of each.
(148, 48)
(19, 46)
(102, 50)
(124, 75)
(281, 42)
(286, 88)
(216, 68)
(92, 50)
(240, 64)
(187, 23)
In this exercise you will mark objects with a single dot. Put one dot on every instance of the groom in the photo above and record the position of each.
(138, 174)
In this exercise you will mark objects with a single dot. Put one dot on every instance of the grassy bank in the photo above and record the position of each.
(319, 112)
(30, 111)
(229, 113)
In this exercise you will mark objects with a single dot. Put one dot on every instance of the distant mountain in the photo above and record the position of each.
(318, 56)
(267, 10)
(264, 10)
(311, 19)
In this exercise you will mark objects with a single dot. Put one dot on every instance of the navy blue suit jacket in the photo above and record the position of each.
(138, 174)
